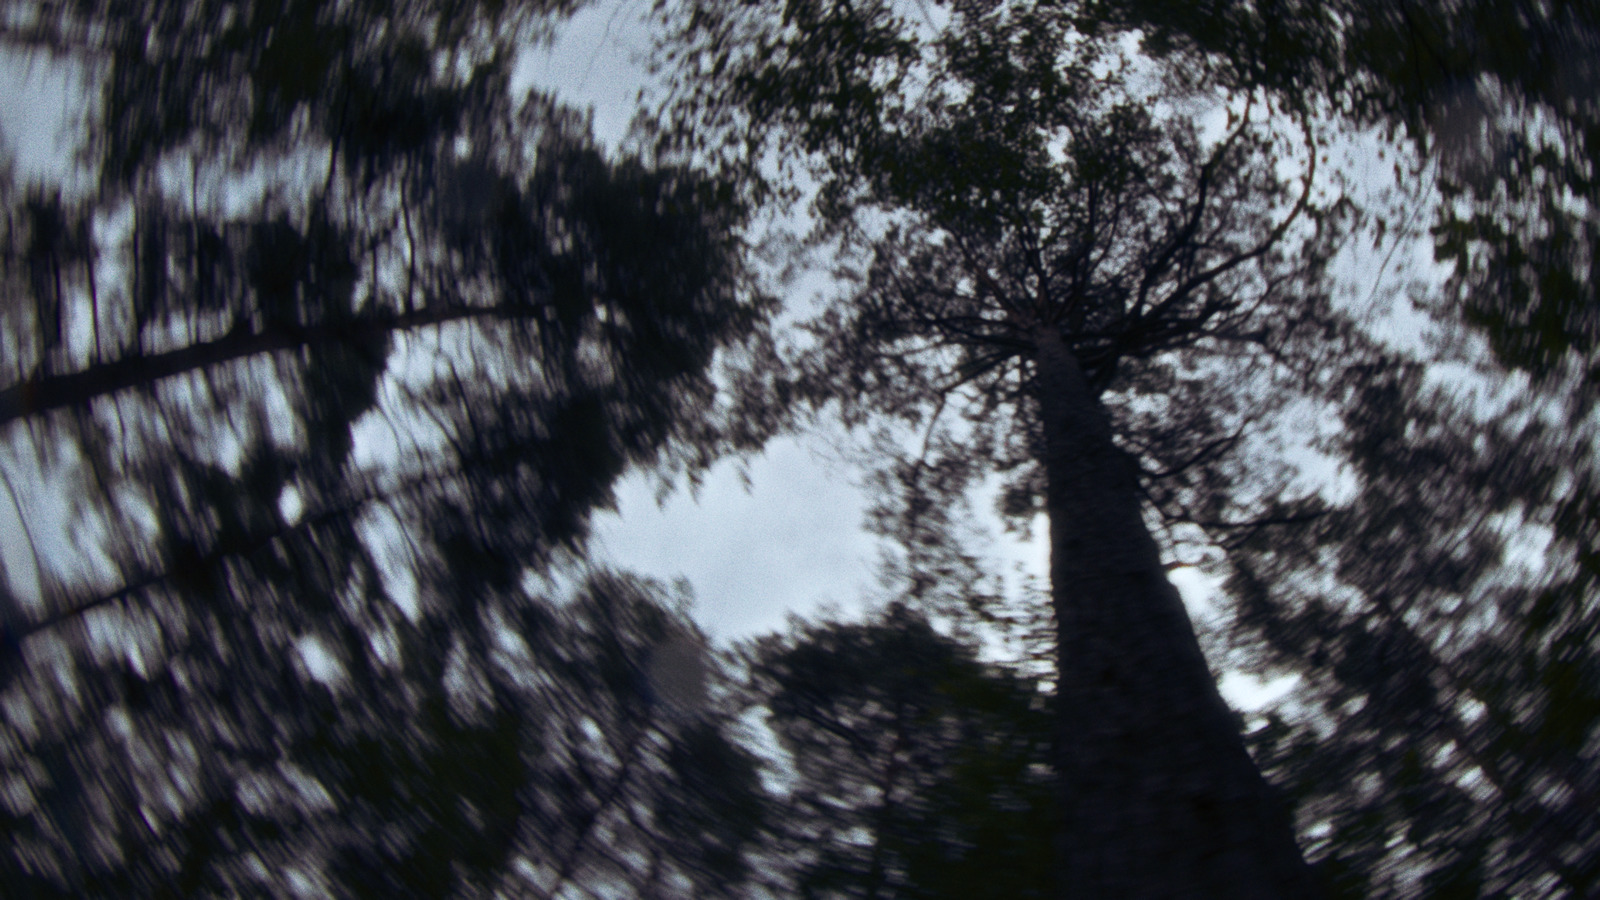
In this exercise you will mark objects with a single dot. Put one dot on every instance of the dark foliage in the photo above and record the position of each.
(913, 770)
(328, 365)
(1062, 279)
(1497, 98)
(1442, 743)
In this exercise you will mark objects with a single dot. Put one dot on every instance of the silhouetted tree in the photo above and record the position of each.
(1107, 298)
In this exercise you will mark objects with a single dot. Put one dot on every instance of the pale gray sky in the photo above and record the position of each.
(41, 110)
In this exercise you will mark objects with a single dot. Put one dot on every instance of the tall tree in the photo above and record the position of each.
(1425, 622)
(1108, 297)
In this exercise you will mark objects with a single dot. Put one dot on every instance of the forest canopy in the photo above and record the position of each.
(318, 372)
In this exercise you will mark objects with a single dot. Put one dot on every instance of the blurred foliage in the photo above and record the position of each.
(551, 742)
(910, 769)
(1443, 739)
(305, 393)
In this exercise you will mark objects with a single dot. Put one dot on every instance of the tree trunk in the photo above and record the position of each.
(1159, 797)
(43, 393)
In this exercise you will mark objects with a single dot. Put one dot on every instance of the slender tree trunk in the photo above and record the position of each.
(44, 393)
(1159, 797)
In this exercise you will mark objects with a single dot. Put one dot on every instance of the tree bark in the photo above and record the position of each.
(1159, 797)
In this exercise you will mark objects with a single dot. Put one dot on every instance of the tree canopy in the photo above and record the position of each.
(316, 371)
(328, 363)
(1497, 98)
(1102, 295)
(915, 770)
(1442, 626)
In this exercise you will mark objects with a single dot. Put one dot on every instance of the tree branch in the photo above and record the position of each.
(41, 394)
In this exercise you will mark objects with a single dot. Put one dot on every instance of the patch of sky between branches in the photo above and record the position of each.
(596, 62)
(784, 538)
(42, 121)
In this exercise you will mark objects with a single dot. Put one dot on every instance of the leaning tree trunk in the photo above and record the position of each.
(1158, 795)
